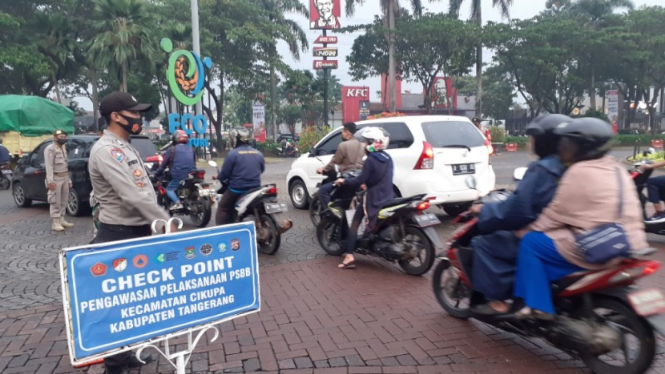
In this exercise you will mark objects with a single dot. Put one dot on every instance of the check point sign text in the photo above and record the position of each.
(190, 279)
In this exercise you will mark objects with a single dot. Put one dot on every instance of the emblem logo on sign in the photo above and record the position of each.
(140, 261)
(357, 92)
(235, 244)
(118, 154)
(222, 246)
(206, 249)
(98, 269)
(120, 264)
(190, 252)
(160, 257)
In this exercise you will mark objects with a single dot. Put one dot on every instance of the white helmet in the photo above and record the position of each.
(376, 137)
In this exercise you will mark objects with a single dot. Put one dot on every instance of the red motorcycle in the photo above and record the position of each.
(601, 315)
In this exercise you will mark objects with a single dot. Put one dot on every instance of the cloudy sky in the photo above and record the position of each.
(365, 14)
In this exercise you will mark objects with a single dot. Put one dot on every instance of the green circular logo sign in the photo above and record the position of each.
(185, 73)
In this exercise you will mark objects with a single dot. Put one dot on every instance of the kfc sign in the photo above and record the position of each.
(326, 40)
(325, 64)
(325, 52)
(358, 92)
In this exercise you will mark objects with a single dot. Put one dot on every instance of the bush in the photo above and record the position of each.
(631, 140)
(596, 114)
(269, 147)
(657, 157)
(498, 134)
(310, 137)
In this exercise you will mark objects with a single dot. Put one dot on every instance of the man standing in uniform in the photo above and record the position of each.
(57, 180)
(127, 201)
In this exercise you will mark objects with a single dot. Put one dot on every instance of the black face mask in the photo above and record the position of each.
(61, 141)
(133, 126)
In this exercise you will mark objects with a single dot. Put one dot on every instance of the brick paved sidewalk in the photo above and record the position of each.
(318, 319)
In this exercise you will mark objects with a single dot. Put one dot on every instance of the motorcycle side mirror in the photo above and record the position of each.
(471, 182)
(212, 163)
(518, 174)
(312, 152)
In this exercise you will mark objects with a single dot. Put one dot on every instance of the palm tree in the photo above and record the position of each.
(289, 31)
(122, 35)
(596, 12)
(390, 9)
(476, 15)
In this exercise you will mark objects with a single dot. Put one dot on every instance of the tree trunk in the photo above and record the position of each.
(592, 89)
(273, 99)
(479, 64)
(391, 55)
(124, 77)
(95, 98)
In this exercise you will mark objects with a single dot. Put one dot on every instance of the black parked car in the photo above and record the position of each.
(30, 174)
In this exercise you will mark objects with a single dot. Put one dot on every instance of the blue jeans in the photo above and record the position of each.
(538, 264)
(654, 186)
(170, 190)
(324, 194)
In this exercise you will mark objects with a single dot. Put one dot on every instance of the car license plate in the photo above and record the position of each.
(647, 302)
(275, 207)
(426, 220)
(6, 172)
(462, 169)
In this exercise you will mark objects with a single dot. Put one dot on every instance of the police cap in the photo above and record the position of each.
(119, 101)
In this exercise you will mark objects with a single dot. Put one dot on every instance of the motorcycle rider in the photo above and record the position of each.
(240, 173)
(654, 186)
(349, 156)
(377, 176)
(180, 160)
(5, 156)
(495, 251)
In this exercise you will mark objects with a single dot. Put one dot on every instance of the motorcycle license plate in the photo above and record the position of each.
(463, 169)
(275, 207)
(6, 172)
(426, 220)
(647, 302)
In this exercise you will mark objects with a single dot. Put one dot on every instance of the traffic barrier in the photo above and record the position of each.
(511, 147)
(657, 143)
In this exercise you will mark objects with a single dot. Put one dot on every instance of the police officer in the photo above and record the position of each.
(57, 180)
(127, 201)
(240, 173)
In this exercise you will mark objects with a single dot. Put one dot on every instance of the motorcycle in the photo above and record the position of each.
(6, 174)
(195, 194)
(288, 151)
(260, 206)
(640, 178)
(404, 232)
(315, 207)
(596, 310)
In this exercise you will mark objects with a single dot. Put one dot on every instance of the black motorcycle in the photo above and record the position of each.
(260, 206)
(5, 176)
(404, 232)
(194, 192)
(315, 207)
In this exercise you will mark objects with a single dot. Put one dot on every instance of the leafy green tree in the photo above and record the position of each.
(499, 92)
(124, 35)
(477, 17)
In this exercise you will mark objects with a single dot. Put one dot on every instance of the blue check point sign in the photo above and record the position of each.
(124, 295)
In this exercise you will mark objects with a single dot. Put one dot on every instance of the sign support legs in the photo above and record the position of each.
(325, 88)
(181, 358)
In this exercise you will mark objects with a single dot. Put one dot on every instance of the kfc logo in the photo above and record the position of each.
(357, 92)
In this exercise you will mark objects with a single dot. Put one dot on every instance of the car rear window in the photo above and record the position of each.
(145, 147)
(446, 133)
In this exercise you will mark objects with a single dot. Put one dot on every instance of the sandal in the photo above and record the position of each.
(347, 265)
(487, 310)
(527, 313)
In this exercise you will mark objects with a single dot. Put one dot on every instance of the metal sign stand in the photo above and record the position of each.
(181, 358)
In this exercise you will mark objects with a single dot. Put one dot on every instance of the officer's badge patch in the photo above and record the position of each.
(138, 173)
(118, 154)
(206, 249)
(139, 184)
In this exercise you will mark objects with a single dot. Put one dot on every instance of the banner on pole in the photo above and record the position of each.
(117, 296)
(259, 121)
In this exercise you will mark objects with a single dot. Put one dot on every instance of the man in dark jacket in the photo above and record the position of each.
(495, 251)
(240, 173)
(5, 156)
(349, 156)
(377, 176)
(181, 161)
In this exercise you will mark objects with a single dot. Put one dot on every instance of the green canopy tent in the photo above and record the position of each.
(34, 115)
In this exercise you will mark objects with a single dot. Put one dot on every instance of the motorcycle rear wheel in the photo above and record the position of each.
(427, 261)
(203, 217)
(451, 293)
(628, 322)
(271, 244)
(315, 209)
(328, 232)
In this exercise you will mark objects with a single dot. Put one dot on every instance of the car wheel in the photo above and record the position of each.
(298, 193)
(455, 210)
(75, 207)
(19, 196)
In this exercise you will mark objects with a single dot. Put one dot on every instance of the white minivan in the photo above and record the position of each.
(433, 155)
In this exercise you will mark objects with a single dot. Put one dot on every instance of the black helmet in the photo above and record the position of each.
(592, 135)
(542, 130)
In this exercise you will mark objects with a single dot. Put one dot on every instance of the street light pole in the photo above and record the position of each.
(196, 41)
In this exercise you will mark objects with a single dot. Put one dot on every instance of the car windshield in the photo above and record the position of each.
(443, 134)
(145, 147)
